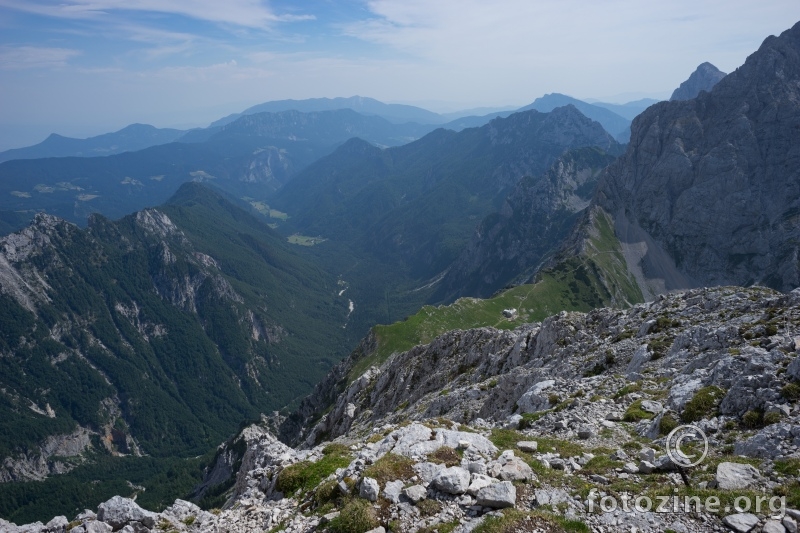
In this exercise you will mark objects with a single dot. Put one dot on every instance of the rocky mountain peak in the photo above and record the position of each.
(708, 191)
(702, 79)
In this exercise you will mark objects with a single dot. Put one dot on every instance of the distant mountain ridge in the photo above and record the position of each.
(395, 113)
(128, 139)
(611, 121)
(251, 157)
(628, 110)
(418, 203)
(408, 123)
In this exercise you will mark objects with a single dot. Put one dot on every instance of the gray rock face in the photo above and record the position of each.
(511, 469)
(766, 443)
(118, 512)
(741, 522)
(507, 247)
(453, 480)
(415, 493)
(392, 491)
(773, 526)
(498, 495)
(536, 398)
(708, 190)
(702, 79)
(369, 489)
(97, 527)
(735, 476)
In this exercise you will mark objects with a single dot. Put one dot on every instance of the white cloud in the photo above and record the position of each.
(247, 13)
(25, 57)
(577, 46)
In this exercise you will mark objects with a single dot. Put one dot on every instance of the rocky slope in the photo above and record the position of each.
(707, 192)
(702, 79)
(509, 246)
(542, 421)
(156, 334)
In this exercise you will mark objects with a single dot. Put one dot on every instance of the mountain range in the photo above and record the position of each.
(159, 333)
(409, 123)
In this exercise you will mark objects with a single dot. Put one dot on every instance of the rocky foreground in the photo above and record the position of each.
(555, 426)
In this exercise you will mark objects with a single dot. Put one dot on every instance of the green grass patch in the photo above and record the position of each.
(704, 404)
(565, 448)
(635, 413)
(304, 240)
(446, 456)
(627, 389)
(306, 475)
(357, 516)
(391, 467)
(514, 521)
(791, 391)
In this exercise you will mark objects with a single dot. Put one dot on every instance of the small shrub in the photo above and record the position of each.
(704, 404)
(307, 475)
(357, 516)
(429, 507)
(327, 491)
(390, 467)
(627, 389)
(791, 391)
(446, 456)
(771, 418)
(554, 399)
(635, 413)
(668, 423)
(752, 419)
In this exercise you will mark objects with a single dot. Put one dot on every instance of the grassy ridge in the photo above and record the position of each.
(596, 278)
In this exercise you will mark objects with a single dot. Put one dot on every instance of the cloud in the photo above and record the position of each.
(505, 32)
(26, 57)
(246, 13)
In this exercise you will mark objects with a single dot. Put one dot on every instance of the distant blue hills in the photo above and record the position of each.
(410, 123)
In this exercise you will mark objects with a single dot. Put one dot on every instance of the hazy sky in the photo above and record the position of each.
(84, 67)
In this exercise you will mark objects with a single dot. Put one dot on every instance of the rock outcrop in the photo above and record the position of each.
(708, 192)
(434, 437)
(510, 245)
(702, 79)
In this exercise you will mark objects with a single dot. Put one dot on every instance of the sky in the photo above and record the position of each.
(86, 67)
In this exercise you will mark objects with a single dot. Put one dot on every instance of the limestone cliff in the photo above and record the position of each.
(708, 192)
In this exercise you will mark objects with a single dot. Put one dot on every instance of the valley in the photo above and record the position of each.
(342, 315)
